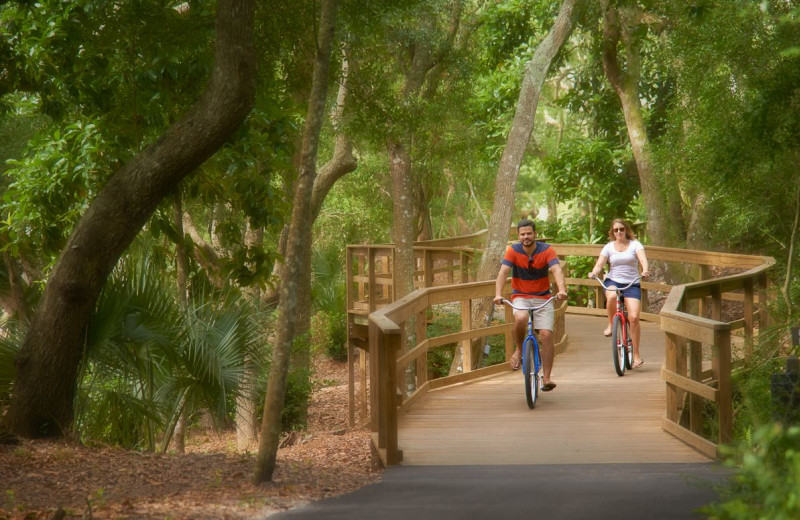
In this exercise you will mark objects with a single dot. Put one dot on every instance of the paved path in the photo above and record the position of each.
(599, 451)
(569, 492)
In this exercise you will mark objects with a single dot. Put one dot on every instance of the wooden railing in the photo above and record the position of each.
(389, 360)
(701, 348)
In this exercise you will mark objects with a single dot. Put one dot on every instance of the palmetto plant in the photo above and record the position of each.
(328, 296)
(147, 359)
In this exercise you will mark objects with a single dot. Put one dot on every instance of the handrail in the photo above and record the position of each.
(691, 318)
(688, 383)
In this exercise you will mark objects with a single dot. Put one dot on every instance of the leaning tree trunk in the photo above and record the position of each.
(625, 83)
(48, 363)
(298, 249)
(507, 172)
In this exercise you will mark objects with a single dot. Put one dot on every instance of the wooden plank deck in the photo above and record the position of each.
(593, 416)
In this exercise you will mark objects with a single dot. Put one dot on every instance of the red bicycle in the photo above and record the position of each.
(621, 343)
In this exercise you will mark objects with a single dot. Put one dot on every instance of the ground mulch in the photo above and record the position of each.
(212, 480)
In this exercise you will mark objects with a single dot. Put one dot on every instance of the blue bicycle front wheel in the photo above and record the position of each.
(531, 372)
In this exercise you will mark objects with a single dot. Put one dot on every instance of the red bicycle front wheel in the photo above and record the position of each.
(618, 347)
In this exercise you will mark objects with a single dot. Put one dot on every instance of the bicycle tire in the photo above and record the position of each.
(530, 373)
(618, 346)
(628, 349)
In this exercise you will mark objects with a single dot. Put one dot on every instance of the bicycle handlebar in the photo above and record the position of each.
(613, 288)
(510, 304)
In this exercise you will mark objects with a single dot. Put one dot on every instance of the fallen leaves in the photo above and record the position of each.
(46, 479)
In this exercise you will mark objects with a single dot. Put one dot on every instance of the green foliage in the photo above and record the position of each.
(764, 456)
(147, 359)
(328, 297)
(592, 174)
(138, 63)
(298, 393)
(50, 188)
(736, 120)
(767, 477)
(358, 209)
(10, 343)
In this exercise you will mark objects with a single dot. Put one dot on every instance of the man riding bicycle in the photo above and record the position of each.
(529, 262)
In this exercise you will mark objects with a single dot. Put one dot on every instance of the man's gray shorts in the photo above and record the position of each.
(543, 318)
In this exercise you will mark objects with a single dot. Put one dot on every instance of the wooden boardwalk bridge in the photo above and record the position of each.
(593, 416)
(677, 408)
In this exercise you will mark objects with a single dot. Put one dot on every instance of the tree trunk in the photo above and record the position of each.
(518, 137)
(298, 250)
(47, 365)
(181, 272)
(246, 399)
(342, 163)
(625, 83)
(403, 226)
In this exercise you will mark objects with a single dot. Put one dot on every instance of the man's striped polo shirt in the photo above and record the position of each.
(529, 273)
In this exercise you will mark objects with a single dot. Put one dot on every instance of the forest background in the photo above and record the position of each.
(180, 180)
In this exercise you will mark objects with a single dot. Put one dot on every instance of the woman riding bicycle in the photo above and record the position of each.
(624, 254)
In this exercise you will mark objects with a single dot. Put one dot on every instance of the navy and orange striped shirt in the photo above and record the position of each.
(529, 273)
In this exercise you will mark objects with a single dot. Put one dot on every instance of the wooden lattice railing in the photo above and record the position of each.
(701, 347)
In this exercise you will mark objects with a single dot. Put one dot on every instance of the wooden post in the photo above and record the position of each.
(749, 317)
(427, 267)
(466, 325)
(681, 368)
(763, 316)
(716, 303)
(351, 385)
(362, 270)
(671, 364)
(377, 413)
(383, 367)
(704, 273)
(722, 355)
(372, 289)
(351, 390)
(362, 366)
(422, 361)
(695, 401)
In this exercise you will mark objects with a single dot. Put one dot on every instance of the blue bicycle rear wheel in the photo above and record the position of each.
(531, 372)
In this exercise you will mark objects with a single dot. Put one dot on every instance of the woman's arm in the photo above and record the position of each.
(598, 267)
(640, 254)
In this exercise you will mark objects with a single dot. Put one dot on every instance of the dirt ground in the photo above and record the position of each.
(51, 480)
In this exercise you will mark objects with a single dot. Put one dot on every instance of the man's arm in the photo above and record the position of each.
(500, 283)
(561, 282)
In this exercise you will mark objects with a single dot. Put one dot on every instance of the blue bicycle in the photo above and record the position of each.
(531, 357)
